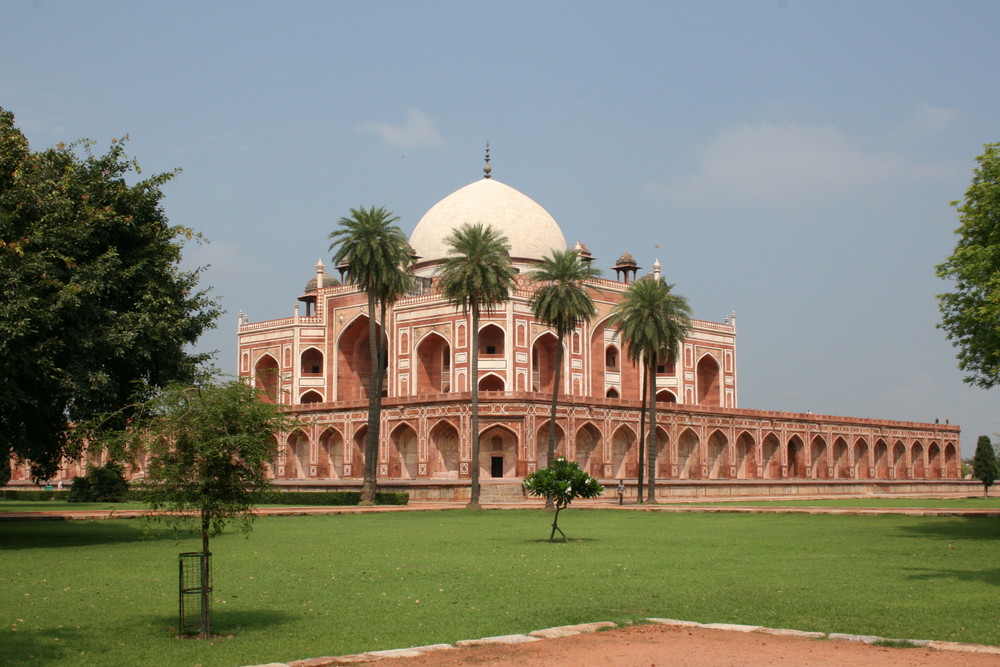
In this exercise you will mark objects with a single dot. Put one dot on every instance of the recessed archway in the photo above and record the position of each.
(497, 453)
(746, 460)
(331, 446)
(403, 452)
(265, 373)
(709, 386)
(688, 456)
(542, 445)
(543, 363)
(491, 382)
(623, 453)
(433, 365)
(588, 450)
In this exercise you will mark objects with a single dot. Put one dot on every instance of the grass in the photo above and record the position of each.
(105, 592)
(972, 502)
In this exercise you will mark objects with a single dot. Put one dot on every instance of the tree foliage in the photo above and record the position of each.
(379, 261)
(208, 450)
(477, 277)
(562, 482)
(562, 302)
(984, 463)
(971, 312)
(92, 297)
(652, 322)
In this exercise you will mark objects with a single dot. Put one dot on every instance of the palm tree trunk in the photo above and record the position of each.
(651, 457)
(551, 451)
(370, 483)
(474, 466)
(642, 444)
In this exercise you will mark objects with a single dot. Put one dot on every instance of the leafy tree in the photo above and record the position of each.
(984, 463)
(652, 321)
(561, 482)
(101, 484)
(562, 302)
(971, 312)
(92, 297)
(209, 452)
(378, 261)
(478, 276)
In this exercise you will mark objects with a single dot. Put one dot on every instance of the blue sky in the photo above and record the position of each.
(792, 161)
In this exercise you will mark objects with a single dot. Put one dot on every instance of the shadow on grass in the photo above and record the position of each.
(990, 577)
(956, 529)
(229, 622)
(40, 647)
(62, 534)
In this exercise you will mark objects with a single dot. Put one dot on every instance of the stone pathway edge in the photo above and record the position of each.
(569, 630)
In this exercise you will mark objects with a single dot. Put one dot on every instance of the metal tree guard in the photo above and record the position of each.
(195, 593)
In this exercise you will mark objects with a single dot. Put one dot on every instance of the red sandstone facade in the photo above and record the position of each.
(317, 364)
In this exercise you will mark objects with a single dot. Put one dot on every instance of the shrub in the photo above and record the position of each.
(101, 484)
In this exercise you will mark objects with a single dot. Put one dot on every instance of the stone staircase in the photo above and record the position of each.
(490, 492)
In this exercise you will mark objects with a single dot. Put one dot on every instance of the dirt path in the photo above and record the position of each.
(662, 645)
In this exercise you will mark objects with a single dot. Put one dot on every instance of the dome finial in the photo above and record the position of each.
(487, 168)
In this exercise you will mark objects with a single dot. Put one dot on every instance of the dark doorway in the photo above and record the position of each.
(496, 466)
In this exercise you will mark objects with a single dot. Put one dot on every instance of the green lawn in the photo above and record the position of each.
(105, 592)
(976, 502)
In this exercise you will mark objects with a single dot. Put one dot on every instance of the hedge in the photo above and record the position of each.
(273, 498)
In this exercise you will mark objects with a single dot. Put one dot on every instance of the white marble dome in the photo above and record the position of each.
(532, 232)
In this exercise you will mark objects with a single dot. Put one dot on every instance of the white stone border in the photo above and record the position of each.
(569, 630)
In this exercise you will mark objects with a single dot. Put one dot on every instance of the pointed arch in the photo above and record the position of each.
(542, 444)
(354, 359)
(899, 460)
(796, 457)
(612, 393)
(624, 452)
(665, 396)
(331, 454)
(433, 365)
(491, 341)
(708, 381)
(311, 396)
(819, 458)
(491, 382)
(403, 452)
(841, 459)
(297, 457)
(444, 450)
(544, 352)
(498, 447)
(688, 458)
(881, 460)
(718, 455)
(917, 461)
(935, 467)
(862, 459)
(951, 469)
(771, 455)
(265, 373)
(311, 362)
(588, 448)
(746, 459)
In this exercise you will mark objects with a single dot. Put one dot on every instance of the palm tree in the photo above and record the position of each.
(478, 276)
(562, 302)
(378, 261)
(652, 321)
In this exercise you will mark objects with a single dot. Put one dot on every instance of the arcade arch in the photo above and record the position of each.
(497, 453)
